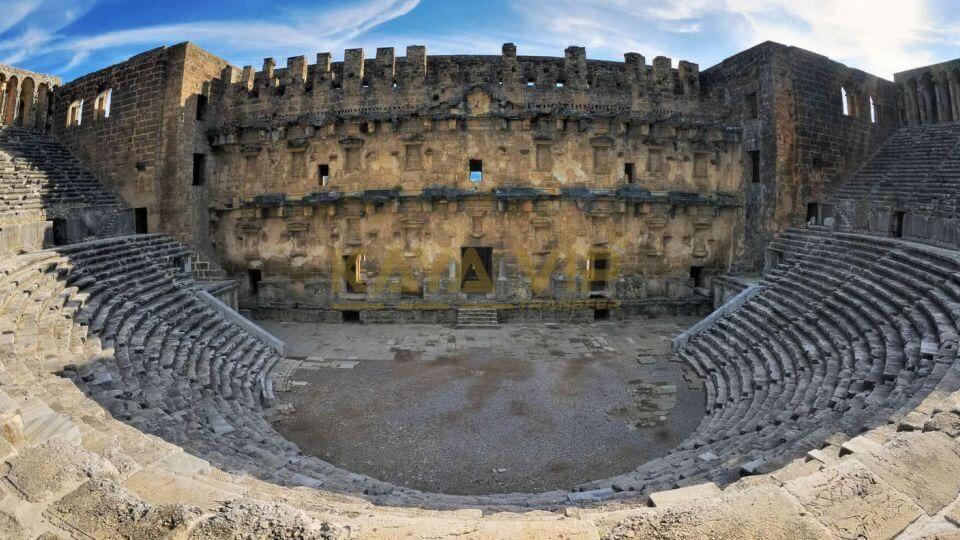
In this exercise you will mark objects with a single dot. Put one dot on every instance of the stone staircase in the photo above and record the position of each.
(477, 318)
(38, 173)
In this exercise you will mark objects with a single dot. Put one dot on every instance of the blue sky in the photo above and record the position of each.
(72, 37)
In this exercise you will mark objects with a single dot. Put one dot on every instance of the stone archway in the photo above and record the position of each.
(25, 105)
(43, 106)
(10, 101)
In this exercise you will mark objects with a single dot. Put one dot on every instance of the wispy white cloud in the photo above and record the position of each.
(881, 36)
(291, 32)
(29, 25)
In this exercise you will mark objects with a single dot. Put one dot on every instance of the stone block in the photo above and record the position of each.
(676, 496)
(923, 466)
(854, 503)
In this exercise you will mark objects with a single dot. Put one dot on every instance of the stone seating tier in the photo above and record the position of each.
(119, 378)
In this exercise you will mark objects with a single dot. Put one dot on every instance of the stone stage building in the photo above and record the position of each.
(398, 188)
(814, 204)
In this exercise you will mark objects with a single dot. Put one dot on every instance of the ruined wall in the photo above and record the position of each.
(273, 169)
(192, 75)
(25, 97)
(373, 158)
(792, 114)
(123, 149)
(929, 94)
(144, 146)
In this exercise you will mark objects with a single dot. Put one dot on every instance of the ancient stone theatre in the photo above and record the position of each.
(399, 294)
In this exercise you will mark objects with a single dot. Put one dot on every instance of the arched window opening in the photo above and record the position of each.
(10, 101)
(944, 85)
(844, 101)
(913, 102)
(75, 113)
(43, 105)
(3, 85)
(102, 104)
(929, 98)
(25, 107)
(874, 112)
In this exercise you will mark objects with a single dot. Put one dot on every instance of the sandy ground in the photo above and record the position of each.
(523, 407)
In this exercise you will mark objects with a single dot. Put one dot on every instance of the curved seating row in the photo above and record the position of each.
(38, 174)
(916, 165)
(849, 333)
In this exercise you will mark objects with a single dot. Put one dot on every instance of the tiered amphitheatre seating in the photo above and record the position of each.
(120, 319)
(38, 174)
(850, 332)
(918, 164)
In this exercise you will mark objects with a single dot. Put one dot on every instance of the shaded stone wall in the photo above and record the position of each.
(145, 145)
(806, 143)
(123, 149)
(929, 94)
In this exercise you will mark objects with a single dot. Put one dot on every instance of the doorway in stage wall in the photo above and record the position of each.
(476, 265)
(599, 271)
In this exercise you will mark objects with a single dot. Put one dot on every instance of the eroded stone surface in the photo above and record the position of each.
(56, 466)
(762, 512)
(853, 503)
(925, 467)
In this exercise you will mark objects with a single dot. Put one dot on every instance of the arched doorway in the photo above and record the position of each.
(929, 90)
(10, 101)
(25, 107)
(43, 106)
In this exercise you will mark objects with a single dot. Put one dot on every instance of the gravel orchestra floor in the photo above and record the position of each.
(523, 407)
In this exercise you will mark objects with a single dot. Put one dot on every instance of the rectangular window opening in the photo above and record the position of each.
(199, 169)
(898, 222)
(140, 220)
(598, 268)
(754, 156)
(476, 267)
(476, 170)
(201, 107)
(323, 174)
(813, 213)
(353, 273)
(59, 232)
(628, 172)
(351, 316)
(601, 314)
(697, 277)
(254, 277)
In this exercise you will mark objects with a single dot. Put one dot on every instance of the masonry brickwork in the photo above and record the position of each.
(297, 176)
